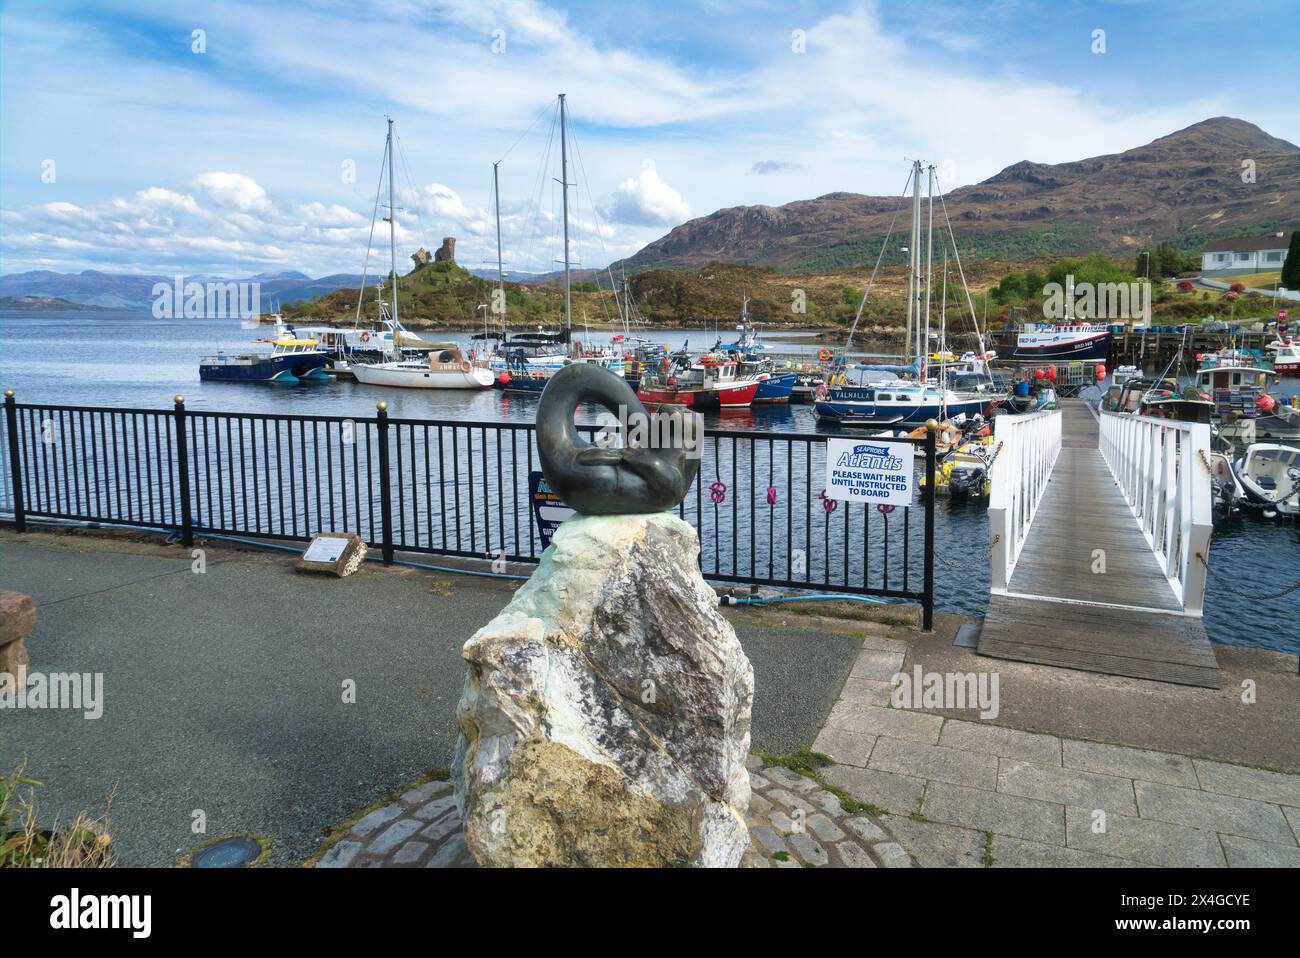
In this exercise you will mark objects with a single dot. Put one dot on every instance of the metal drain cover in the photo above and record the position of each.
(235, 852)
(968, 637)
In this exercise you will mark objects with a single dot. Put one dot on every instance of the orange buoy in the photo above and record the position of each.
(824, 354)
(1101, 371)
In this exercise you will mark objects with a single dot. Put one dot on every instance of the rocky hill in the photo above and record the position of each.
(1186, 187)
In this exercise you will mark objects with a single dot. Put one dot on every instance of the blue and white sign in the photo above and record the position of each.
(870, 470)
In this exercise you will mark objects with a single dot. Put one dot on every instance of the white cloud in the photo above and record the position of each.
(233, 189)
(646, 200)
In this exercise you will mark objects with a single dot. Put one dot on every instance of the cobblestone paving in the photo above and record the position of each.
(967, 793)
(796, 823)
(422, 829)
(793, 823)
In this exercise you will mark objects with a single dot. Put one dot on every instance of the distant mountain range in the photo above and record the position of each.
(133, 291)
(44, 289)
(1186, 187)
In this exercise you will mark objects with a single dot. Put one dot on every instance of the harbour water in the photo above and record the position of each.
(134, 360)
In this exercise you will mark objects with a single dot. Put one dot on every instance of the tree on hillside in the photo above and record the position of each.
(1291, 268)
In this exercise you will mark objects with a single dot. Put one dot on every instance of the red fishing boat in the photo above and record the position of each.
(712, 382)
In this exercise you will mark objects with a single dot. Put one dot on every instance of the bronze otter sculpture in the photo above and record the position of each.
(604, 480)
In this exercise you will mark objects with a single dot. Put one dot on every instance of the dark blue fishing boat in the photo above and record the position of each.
(289, 361)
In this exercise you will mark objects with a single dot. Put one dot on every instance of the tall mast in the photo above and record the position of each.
(564, 184)
(501, 275)
(923, 347)
(392, 225)
(914, 260)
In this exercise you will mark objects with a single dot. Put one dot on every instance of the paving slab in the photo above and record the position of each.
(936, 845)
(995, 812)
(1248, 853)
(1009, 852)
(1144, 840)
(1222, 813)
(1003, 742)
(896, 723)
(1293, 819)
(900, 794)
(1245, 782)
(844, 746)
(1161, 767)
(935, 762)
(1067, 786)
(864, 692)
(874, 666)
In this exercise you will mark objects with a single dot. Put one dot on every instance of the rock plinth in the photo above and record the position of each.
(17, 618)
(606, 710)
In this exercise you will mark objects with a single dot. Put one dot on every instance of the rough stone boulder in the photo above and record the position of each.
(606, 710)
(17, 618)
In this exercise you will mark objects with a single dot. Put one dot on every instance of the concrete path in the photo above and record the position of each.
(224, 689)
(971, 793)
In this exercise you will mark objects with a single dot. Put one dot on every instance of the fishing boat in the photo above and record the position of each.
(774, 386)
(1040, 342)
(444, 367)
(289, 361)
(712, 382)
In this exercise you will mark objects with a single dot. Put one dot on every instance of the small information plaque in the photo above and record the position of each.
(334, 553)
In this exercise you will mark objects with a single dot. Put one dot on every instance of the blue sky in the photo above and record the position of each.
(232, 159)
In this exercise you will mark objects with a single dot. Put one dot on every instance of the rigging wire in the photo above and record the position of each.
(844, 357)
(374, 213)
(979, 334)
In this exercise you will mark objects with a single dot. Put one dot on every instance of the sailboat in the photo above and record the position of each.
(899, 394)
(443, 365)
(524, 361)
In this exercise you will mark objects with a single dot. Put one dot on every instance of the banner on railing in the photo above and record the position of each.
(870, 471)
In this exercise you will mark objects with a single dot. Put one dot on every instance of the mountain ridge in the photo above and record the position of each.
(1186, 186)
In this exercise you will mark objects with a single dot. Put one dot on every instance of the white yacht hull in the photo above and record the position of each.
(420, 376)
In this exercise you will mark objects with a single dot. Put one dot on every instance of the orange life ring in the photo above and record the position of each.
(825, 354)
(465, 367)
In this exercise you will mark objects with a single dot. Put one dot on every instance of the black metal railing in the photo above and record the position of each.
(443, 488)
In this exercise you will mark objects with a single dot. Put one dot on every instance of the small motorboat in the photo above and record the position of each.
(1269, 477)
(964, 472)
(445, 367)
(289, 361)
(1286, 356)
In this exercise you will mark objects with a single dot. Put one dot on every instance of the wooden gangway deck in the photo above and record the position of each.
(1061, 609)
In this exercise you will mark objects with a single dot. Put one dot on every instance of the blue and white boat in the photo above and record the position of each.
(896, 403)
(289, 361)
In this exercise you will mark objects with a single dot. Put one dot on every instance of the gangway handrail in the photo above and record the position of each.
(1026, 448)
(1162, 468)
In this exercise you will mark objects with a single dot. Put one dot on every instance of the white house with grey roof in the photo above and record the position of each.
(1242, 255)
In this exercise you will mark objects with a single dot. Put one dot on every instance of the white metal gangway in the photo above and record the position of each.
(1099, 530)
